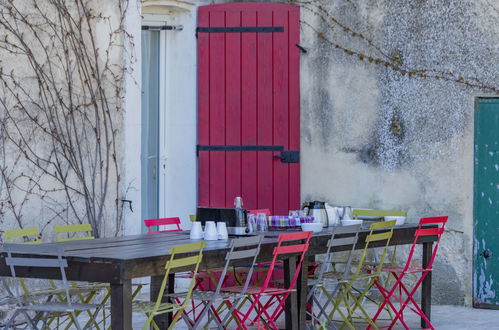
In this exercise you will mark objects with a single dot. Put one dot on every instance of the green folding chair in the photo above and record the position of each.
(177, 260)
(348, 303)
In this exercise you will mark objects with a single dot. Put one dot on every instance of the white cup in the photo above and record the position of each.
(210, 231)
(196, 231)
(222, 230)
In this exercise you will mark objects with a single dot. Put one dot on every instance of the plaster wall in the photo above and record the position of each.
(374, 138)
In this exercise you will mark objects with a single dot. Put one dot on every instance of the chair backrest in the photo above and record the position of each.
(440, 222)
(162, 222)
(352, 239)
(377, 213)
(73, 229)
(381, 239)
(241, 249)
(22, 255)
(30, 235)
(195, 255)
(284, 247)
(255, 212)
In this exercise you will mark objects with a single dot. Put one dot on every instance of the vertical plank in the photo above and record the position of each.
(121, 305)
(280, 98)
(233, 109)
(248, 111)
(294, 104)
(217, 110)
(264, 110)
(426, 285)
(203, 108)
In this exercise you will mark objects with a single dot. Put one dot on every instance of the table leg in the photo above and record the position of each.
(162, 321)
(121, 306)
(291, 304)
(302, 291)
(426, 285)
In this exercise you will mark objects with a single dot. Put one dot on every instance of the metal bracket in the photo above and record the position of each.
(289, 156)
(162, 27)
(302, 49)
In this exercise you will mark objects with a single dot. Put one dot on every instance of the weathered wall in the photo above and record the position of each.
(374, 138)
(34, 190)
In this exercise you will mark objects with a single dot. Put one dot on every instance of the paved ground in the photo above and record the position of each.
(443, 317)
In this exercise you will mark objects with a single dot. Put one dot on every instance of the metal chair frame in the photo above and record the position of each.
(241, 249)
(318, 284)
(19, 255)
(352, 299)
(276, 295)
(152, 309)
(399, 273)
(162, 222)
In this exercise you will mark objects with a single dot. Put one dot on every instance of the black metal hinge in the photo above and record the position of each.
(240, 29)
(286, 156)
(238, 148)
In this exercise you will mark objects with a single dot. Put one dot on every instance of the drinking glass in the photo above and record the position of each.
(261, 222)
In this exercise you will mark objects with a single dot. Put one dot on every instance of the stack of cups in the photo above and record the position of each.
(211, 232)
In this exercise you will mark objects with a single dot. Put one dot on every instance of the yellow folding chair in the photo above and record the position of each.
(78, 232)
(71, 232)
(151, 309)
(351, 298)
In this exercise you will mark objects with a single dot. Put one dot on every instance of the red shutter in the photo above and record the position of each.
(249, 105)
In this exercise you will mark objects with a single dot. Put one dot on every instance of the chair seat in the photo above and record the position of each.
(410, 270)
(257, 289)
(142, 306)
(59, 307)
(72, 290)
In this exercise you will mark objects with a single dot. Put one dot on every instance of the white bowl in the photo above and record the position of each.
(312, 226)
(351, 222)
(400, 220)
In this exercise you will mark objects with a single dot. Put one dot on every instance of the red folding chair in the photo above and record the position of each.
(162, 222)
(402, 292)
(276, 295)
(255, 212)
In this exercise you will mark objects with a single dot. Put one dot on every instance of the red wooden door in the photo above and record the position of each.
(249, 105)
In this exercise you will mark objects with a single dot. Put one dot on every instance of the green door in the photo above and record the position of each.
(486, 204)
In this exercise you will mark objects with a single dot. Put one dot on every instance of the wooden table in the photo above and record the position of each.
(120, 259)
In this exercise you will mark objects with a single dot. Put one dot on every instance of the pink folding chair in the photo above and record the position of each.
(162, 222)
(404, 293)
(276, 296)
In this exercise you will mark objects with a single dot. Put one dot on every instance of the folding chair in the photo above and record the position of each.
(78, 232)
(152, 309)
(399, 273)
(162, 222)
(255, 212)
(28, 235)
(18, 255)
(348, 296)
(241, 249)
(369, 215)
(67, 233)
(318, 285)
(275, 295)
